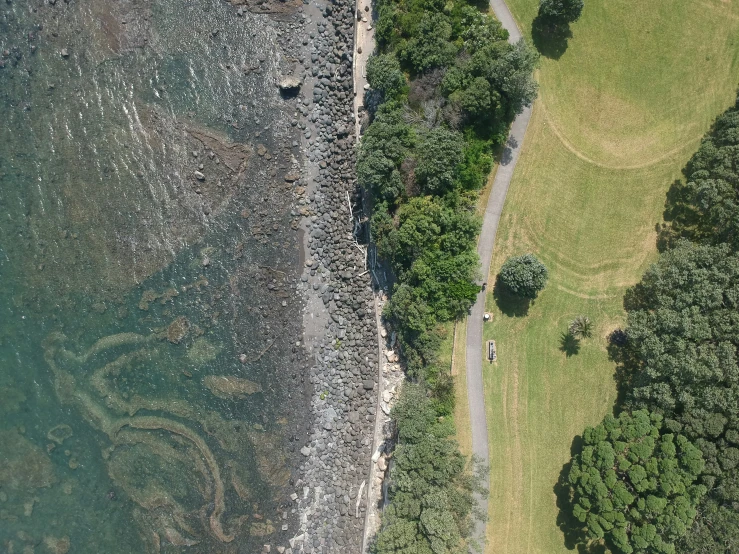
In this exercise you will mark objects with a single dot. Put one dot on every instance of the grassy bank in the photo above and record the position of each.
(619, 114)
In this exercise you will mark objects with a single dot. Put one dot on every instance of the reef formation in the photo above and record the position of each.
(158, 451)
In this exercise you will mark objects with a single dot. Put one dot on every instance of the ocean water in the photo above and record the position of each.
(151, 371)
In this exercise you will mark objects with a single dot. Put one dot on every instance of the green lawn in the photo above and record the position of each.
(619, 114)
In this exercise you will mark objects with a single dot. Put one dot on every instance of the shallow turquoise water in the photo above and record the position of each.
(149, 379)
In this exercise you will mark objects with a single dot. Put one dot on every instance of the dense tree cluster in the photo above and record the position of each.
(449, 84)
(683, 341)
(486, 81)
(634, 484)
(429, 148)
(431, 486)
(679, 355)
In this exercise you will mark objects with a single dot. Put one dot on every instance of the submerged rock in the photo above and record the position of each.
(228, 386)
(22, 463)
(11, 399)
(59, 433)
(57, 545)
(178, 329)
(202, 351)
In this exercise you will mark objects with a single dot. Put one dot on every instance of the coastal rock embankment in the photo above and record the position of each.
(339, 321)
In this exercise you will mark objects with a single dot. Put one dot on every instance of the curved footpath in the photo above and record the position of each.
(474, 356)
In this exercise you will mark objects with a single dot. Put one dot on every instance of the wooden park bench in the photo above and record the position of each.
(492, 354)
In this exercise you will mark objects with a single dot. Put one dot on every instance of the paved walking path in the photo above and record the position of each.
(474, 358)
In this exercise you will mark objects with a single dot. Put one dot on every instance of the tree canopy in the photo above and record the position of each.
(635, 485)
(430, 488)
(384, 74)
(439, 155)
(681, 352)
(385, 144)
(523, 276)
(705, 208)
(561, 11)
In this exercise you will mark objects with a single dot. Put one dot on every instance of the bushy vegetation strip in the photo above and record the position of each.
(445, 86)
(679, 374)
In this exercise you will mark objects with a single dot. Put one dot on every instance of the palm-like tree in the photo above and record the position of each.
(581, 327)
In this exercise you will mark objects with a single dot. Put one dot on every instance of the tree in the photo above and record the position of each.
(714, 530)
(408, 308)
(430, 46)
(509, 69)
(477, 99)
(384, 146)
(634, 485)
(440, 152)
(446, 282)
(384, 75)
(581, 327)
(561, 12)
(524, 276)
(480, 30)
(417, 230)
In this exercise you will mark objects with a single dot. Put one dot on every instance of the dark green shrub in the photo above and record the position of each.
(523, 276)
(440, 152)
(561, 11)
(384, 75)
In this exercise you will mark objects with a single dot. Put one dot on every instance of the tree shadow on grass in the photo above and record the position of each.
(550, 39)
(569, 344)
(508, 303)
(572, 529)
(626, 364)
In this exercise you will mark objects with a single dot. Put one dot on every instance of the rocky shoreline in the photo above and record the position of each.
(340, 325)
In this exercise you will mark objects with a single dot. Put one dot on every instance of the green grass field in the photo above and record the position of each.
(619, 114)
